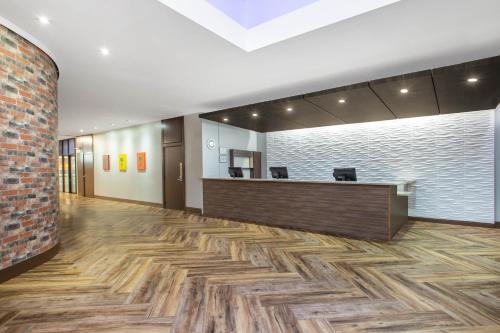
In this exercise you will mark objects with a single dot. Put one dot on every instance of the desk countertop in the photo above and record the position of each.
(394, 183)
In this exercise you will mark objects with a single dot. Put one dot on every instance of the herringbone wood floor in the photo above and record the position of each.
(129, 268)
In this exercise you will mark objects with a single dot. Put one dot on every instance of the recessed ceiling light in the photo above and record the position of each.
(255, 114)
(95, 127)
(289, 109)
(472, 79)
(81, 131)
(225, 120)
(104, 51)
(404, 91)
(44, 20)
(341, 101)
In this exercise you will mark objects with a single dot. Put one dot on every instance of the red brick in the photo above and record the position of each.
(37, 98)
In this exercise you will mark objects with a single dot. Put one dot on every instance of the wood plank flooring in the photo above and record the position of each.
(131, 268)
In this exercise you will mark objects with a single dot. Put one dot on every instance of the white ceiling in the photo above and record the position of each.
(164, 65)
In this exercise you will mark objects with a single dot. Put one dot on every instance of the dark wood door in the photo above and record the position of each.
(85, 165)
(79, 172)
(88, 166)
(174, 178)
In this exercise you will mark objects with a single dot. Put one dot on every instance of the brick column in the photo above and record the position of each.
(29, 203)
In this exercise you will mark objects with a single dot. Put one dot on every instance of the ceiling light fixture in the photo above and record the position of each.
(342, 101)
(104, 51)
(113, 125)
(44, 20)
(255, 114)
(81, 131)
(472, 80)
(225, 120)
(95, 127)
(404, 91)
(289, 109)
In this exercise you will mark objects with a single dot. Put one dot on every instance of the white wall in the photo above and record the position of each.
(193, 153)
(497, 163)
(132, 184)
(210, 131)
(227, 137)
(451, 157)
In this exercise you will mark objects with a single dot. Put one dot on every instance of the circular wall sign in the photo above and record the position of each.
(211, 143)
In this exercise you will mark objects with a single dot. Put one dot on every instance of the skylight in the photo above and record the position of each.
(250, 13)
(253, 24)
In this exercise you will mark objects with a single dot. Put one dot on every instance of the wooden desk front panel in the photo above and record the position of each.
(360, 211)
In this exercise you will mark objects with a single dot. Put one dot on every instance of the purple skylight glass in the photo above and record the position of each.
(250, 13)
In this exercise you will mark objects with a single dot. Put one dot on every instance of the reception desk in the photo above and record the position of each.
(372, 211)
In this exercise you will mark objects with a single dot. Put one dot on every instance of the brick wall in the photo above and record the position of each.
(28, 150)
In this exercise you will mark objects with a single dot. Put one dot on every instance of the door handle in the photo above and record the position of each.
(181, 172)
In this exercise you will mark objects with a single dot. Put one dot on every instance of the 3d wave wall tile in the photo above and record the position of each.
(451, 158)
(28, 150)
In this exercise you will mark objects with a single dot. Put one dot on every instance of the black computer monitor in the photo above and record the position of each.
(235, 172)
(345, 174)
(279, 172)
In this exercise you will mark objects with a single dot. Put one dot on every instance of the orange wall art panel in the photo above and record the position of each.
(141, 161)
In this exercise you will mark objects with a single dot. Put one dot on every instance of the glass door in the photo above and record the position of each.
(72, 163)
(61, 175)
(68, 177)
(66, 173)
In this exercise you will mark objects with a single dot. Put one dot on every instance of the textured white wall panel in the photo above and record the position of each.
(497, 163)
(451, 157)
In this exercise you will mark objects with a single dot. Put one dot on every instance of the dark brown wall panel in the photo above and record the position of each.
(173, 130)
(302, 112)
(456, 94)
(361, 104)
(442, 90)
(419, 101)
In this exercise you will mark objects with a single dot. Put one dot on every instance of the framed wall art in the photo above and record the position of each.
(122, 162)
(141, 161)
(105, 163)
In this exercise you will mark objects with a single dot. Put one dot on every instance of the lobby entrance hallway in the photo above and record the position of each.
(131, 268)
